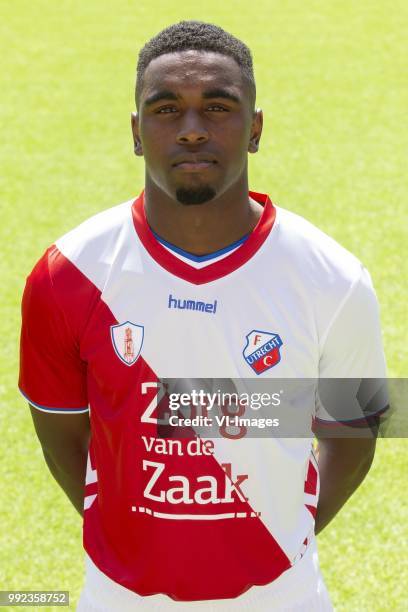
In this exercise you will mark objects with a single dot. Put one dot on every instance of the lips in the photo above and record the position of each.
(194, 162)
(194, 166)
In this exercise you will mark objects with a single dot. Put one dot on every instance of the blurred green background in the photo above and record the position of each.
(332, 85)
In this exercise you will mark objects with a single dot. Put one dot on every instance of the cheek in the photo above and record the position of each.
(154, 139)
(234, 137)
(235, 148)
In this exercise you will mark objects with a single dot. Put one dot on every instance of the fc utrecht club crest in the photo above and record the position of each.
(262, 350)
(127, 340)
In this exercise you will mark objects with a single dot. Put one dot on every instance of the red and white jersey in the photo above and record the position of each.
(109, 310)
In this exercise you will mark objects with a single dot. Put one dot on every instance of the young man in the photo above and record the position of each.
(196, 278)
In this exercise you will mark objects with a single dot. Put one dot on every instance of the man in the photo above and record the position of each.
(196, 278)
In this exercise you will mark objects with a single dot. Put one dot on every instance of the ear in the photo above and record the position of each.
(134, 120)
(256, 131)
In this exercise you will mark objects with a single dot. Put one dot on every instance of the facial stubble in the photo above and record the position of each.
(195, 195)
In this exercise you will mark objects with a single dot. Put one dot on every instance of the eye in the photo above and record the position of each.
(166, 110)
(217, 107)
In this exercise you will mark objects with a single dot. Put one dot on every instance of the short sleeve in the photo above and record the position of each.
(352, 369)
(52, 374)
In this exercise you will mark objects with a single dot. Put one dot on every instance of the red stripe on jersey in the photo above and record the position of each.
(312, 510)
(140, 529)
(311, 480)
(217, 269)
(135, 531)
(91, 489)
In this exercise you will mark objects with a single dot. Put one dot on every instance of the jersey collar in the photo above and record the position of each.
(218, 269)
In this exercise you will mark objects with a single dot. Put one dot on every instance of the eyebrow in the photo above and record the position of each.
(160, 95)
(217, 92)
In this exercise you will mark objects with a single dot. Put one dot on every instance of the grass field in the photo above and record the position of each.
(330, 81)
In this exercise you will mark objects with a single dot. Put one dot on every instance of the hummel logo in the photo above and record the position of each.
(192, 305)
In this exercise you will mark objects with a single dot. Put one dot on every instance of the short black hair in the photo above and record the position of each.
(195, 35)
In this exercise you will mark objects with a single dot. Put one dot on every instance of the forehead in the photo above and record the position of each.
(187, 69)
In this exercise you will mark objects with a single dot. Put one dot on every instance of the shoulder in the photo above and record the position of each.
(316, 257)
(72, 270)
(94, 246)
(97, 234)
(326, 278)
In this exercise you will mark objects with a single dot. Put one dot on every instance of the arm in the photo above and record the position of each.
(343, 465)
(53, 375)
(351, 370)
(65, 439)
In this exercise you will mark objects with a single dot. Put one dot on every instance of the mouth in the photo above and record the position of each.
(194, 163)
(194, 166)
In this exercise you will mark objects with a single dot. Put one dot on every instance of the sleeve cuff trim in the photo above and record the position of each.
(54, 410)
(361, 420)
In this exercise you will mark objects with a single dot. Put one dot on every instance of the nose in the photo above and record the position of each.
(192, 130)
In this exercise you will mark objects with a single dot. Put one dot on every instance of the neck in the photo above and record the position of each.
(202, 228)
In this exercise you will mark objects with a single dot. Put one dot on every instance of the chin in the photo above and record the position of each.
(195, 195)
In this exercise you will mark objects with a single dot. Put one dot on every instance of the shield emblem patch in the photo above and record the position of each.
(127, 340)
(262, 350)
